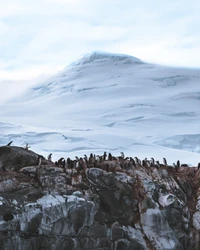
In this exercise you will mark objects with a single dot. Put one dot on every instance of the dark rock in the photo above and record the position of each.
(49, 208)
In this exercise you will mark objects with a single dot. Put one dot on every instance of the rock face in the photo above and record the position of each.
(55, 208)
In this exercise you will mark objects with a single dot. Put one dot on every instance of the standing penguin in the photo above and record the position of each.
(110, 157)
(164, 161)
(104, 156)
(39, 161)
(177, 165)
(122, 155)
(63, 164)
(27, 146)
(49, 157)
(152, 160)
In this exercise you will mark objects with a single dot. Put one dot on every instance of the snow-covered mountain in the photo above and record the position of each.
(109, 102)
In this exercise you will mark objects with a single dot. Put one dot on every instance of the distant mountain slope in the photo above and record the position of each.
(113, 102)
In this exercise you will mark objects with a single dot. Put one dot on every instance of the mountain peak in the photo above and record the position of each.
(97, 56)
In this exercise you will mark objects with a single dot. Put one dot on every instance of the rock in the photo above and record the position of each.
(49, 208)
(14, 158)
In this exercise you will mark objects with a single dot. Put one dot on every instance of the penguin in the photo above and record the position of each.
(178, 164)
(151, 164)
(104, 156)
(144, 163)
(97, 159)
(184, 165)
(81, 165)
(77, 165)
(85, 163)
(198, 165)
(176, 167)
(153, 161)
(27, 146)
(137, 161)
(91, 158)
(49, 157)
(9, 143)
(132, 161)
(60, 161)
(85, 157)
(68, 163)
(164, 161)
(110, 157)
(157, 164)
(63, 163)
(39, 161)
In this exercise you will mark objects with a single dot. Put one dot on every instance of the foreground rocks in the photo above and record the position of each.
(53, 208)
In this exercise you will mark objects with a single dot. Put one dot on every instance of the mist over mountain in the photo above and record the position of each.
(109, 102)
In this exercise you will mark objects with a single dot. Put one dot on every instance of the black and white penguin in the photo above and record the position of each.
(110, 157)
(39, 161)
(63, 163)
(49, 157)
(104, 156)
(122, 155)
(9, 143)
(157, 164)
(132, 161)
(176, 167)
(27, 146)
(97, 159)
(60, 161)
(153, 161)
(164, 161)
(144, 163)
(91, 158)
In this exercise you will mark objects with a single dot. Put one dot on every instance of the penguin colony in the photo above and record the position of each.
(105, 162)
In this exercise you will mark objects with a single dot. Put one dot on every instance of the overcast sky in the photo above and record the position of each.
(44, 36)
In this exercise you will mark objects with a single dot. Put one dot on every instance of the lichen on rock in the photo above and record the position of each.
(141, 208)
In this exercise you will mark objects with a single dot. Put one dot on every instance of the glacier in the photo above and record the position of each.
(108, 102)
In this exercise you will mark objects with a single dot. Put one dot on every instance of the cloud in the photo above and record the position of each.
(9, 9)
(39, 36)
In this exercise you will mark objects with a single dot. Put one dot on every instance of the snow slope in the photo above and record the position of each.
(109, 102)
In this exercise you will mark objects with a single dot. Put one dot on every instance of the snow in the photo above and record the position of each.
(124, 178)
(196, 220)
(108, 102)
(50, 200)
(166, 200)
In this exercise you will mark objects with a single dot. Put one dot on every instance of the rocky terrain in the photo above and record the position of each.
(117, 204)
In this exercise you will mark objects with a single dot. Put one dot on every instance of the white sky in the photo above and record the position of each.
(42, 37)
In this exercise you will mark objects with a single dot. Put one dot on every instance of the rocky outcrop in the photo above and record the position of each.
(14, 158)
(141, 208)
